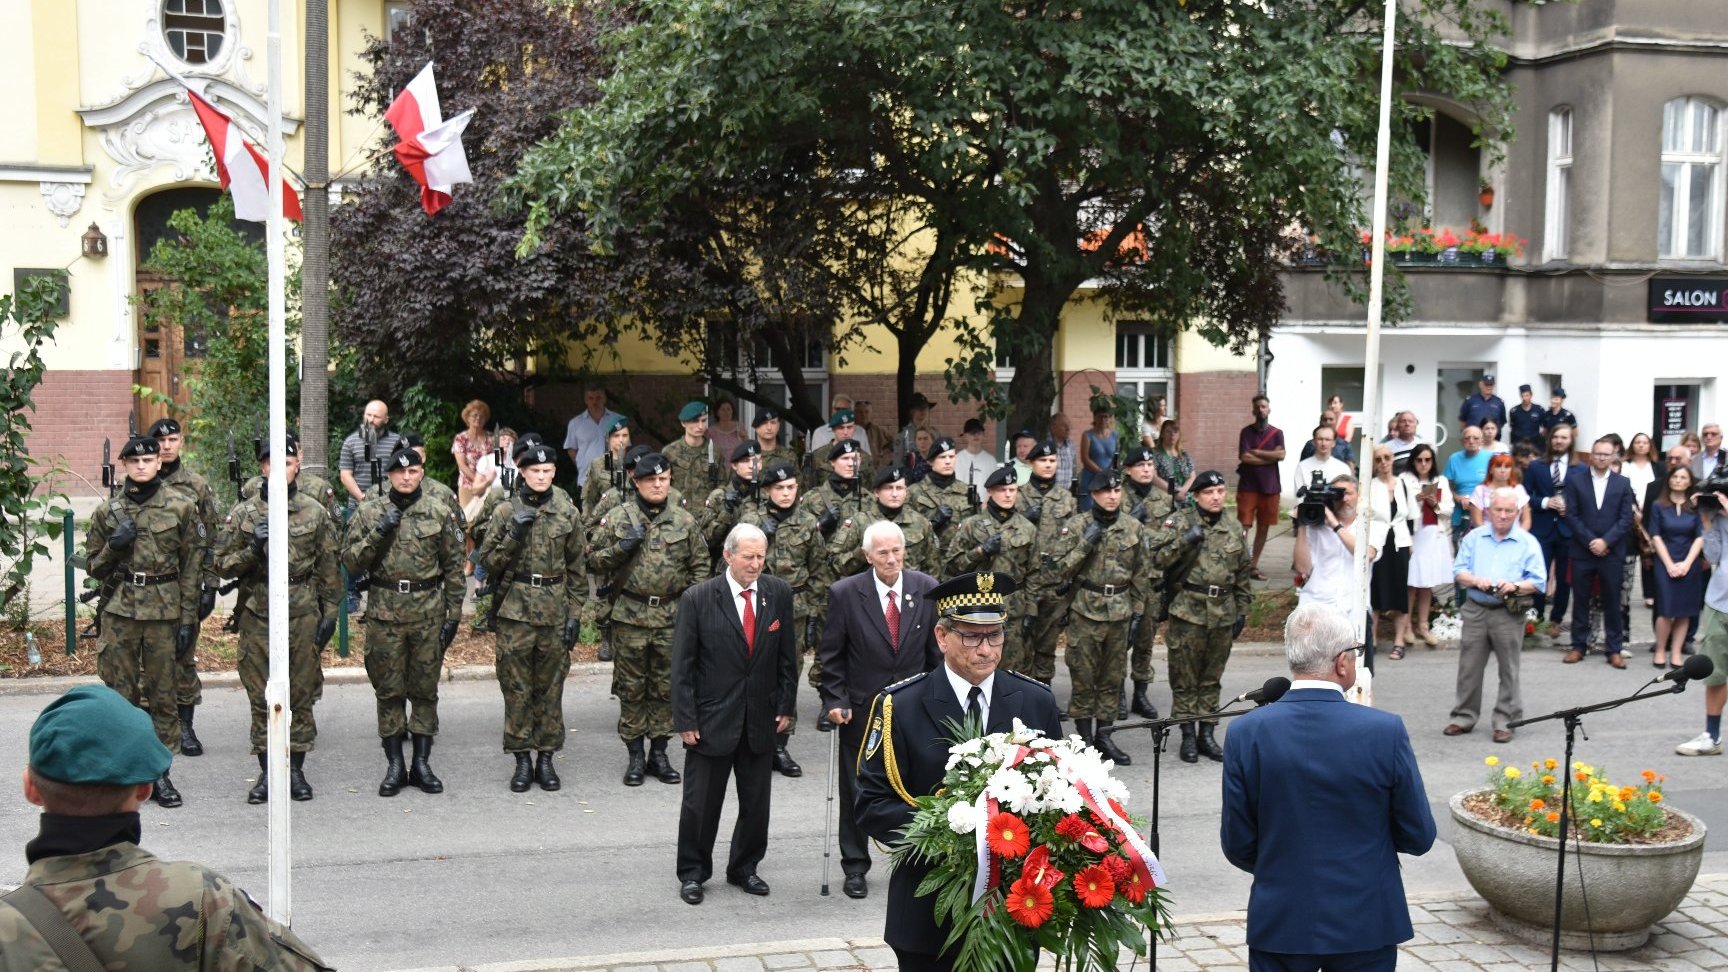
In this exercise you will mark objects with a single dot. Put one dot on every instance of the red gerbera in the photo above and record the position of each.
(1009, 836)
(1117, 867)
(1133, 888)
(1029, 904)
(1094, 886)
(1039, 870)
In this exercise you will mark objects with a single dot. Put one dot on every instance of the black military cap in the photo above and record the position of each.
(919, 401)
(778, 471)
(843, 447)
(744, 450)
(973, 424)
(1041, 450)
(635, 453)
(977, 598)
(1560, 393)
(1022, 434)
(140, 445)
(1137, 455)
(650, 465)
(1108, 479)
(403, 458)
(290, 447)
(1003, 476)
(162, 427)
(888, 475)
(529, 438)
(540, 455)
(940, 446)
(1208, 479)
(413, 440)
(1523, 388)
(763, 417)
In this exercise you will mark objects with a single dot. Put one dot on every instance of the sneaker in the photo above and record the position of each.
(1702, 746)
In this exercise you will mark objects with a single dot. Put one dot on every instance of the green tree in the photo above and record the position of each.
(29, 511)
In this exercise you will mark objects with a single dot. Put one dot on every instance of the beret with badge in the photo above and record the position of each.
(778, 471)
(1042, 450)
(692, 411)
(403, 458)
(845, 447)
(1208, 479)
(615, 423)
(842, 417)
(944, 444)
(888, 474)
(743, 451)
(650, 465)
(1002, 476)
(162, 427)
(538, 455)
(140, 445)
(763, 417)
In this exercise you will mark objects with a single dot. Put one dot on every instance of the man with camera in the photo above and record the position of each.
(1323, 459)
(1500, 567)
(1326, 541)
(1711, 498)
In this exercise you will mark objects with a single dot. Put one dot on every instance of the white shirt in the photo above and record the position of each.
(1315, 683)
(965, 461)
(1331, 574)
(1599, 483)
(738, 597)
(1330, 468)
(963, 688)
(585, 435)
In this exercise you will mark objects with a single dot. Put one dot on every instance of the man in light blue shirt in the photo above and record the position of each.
(1465, 471)
(585, 437)
(1496, 561)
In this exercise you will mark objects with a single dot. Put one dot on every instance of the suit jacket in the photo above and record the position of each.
(1546, 525)
(918, 732)
(729, 695)
(1698, 464)
(1612, 522)
(857, 662)
(1320, 798)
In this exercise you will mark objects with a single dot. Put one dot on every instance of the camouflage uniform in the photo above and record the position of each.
(598, 481)
(1151, 509)
(643, 587)
(136, 911)
(443, 494)
(690, 467)
(1106, 588)
(1053, 506)
(417, 585)
(846, 546)
(1016, 559)
(598, 607)
(1198, 635)
(797, 554)
(157, 580)
(717, 516)
(188, 690)
(308, 485)
(819, 502)
(784, 453)
(929, 496)
(542, 574)
(818, 468)
(314, 590)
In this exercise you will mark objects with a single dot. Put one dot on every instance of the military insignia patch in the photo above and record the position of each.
(873, 741)
(200, 526)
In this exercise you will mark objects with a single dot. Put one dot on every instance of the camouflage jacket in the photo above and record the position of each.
(1052, 508)
(136, 911)
(545, 572)
(425, 548)
(443, 494)
(846, 546)
(313, 582)
(690, 467)
(598, 481)
(1223, 566)
(796, 553)
(818, 468)
(1016, 558)
(1154, 505)
(610, 500)
(716, 519)
(171, 540)
(1106, 578)
(929, 497)
(307, 485)
(195, 488)
(643, 585)
(783, 453)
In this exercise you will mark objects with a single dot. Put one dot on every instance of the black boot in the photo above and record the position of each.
(1122, 702)
(1189, 752)
(784, 764)
(298, 788)
(420, 770)
(260, 791)
(166, 795)
(395, 773)
(659, 766)
(545, 774)
(638, 766)
(1106, 744)
(189, 744)
(523, 778)
(1083, 729)
(1209, 747)
(1142, 705)
(605, 649)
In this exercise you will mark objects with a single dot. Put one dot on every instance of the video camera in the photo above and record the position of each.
(1316, 498)
(1712, 491)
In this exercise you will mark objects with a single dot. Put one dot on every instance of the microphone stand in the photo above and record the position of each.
(1574, 719)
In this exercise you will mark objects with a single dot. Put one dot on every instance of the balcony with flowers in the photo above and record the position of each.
(1425, 246)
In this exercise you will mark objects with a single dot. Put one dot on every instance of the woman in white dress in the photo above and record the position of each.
(1431, 548)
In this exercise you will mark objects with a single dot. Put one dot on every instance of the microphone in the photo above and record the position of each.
(1696, 666)
(1276, 686)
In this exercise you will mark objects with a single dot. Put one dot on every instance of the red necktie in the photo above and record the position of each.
(893, 623)
(749, 625)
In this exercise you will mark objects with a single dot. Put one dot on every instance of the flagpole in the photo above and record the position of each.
(276, 688)
(1371, 352)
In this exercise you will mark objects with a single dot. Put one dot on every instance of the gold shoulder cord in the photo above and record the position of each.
(888, 760)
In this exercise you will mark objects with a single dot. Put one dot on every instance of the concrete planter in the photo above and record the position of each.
(1630, 887)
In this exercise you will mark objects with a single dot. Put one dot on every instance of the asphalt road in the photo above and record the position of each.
(479, 874)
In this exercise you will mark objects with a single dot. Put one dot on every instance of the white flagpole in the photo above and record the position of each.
(276, 689)
(1371, 352)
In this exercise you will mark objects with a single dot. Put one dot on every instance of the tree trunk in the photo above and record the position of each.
(315, 251)
(1033, 389)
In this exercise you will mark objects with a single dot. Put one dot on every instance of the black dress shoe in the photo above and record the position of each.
(691, 892)
(751, 884)
(856, 886)
(784, 764)
(823, 724)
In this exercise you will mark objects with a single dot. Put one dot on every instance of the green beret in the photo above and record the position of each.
(91, 735)
(692, 411)
(619, 422)
(842, 417)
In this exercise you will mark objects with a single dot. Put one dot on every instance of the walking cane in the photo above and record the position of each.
(828, 828)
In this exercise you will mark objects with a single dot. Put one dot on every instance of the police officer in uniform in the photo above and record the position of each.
(1151, 506)
(92, 758)
(940, 496)
(1557, 414)
(649, 550)
(314, 588)
(720, 511)
(1211, 593)
(147, 546)
(1106, 569)
(533, 548)
(409, 543)
(923, 552)
(796, 555)
(689, 455)
(840, 496)
(601, 471)
(175, 475)
(1482, 405)
(1526, 419)
(998, 540)
(1049, 507)
(905, 752)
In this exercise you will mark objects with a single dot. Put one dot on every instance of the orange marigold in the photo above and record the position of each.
(1549, 764)
(1548, 779)
(1649, 776)
(1655, 796)
(1538, 804)
(1553, 816)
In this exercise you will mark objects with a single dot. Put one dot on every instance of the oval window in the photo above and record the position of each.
(194, 29)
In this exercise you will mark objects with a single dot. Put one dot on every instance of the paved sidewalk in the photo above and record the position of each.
(1453, 934)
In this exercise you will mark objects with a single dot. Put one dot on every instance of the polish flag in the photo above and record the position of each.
(430, 147)
(241, 167)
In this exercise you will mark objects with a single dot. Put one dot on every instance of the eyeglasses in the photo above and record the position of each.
(1358, 651)
(971, 640)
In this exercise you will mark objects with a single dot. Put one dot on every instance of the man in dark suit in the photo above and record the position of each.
(1545, 482)
(734, 687)
(868, 645)
(1327, 892)
(912, 721)
(1599, 506)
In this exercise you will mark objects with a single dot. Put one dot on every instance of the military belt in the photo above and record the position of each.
(408, 586)
(1108, 590)
(136, 579)
(1210, 590)
(540, 580)
(652, 600)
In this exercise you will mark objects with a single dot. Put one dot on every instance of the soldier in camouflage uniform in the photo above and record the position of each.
(1048, 507)
(846, 546)
(598, 608)
(147, 546)
(720, 511)
(997, 539)
(606, 471)
(796, 555)
(1150, 506)
(766, 426)
(649, 549)
(942, 498)
(1106, 568)
(534, 551)
(432, 487)
(314, 487)
(839, 496)
(1212, 560)
(92, 758)
(188, 690)
(409, 544)
(694, 469)
(819, 464)
(314, 588)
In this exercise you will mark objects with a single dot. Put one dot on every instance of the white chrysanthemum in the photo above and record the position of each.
(970, 747)
(963, 818)
(1012, 789)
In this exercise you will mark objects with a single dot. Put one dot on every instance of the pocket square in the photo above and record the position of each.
(774, 627)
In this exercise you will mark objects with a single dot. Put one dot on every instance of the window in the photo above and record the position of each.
(1144, 367)
(194, 29)
(755, 367)
(397, 17)
(1689, 225)
(1558, 224)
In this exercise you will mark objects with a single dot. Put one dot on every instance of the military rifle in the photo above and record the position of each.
(972, 496)
(756, 478)
(506, 577)
(234, 467)
(110, 481)
(713, 467)
(104, 592)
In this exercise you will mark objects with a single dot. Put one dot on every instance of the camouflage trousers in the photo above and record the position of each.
(642, 680)
(305, 678)
(137, 660)
(1140, 655)
(1097, 654)
(532, 666)
(813, 644)
(798, 624)
(1045, 630)
(404, 663)
(188, 690)
(1196, 666)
